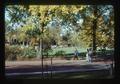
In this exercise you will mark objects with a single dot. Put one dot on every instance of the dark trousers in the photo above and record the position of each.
(75, 57)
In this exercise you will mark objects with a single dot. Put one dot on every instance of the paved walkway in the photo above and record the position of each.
(13, 64)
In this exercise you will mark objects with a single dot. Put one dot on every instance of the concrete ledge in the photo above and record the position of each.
(54, 72)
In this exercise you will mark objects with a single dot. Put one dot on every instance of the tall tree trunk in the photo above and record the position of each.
(42, 50)
(23, 43)
(94, 29)
(39, 55)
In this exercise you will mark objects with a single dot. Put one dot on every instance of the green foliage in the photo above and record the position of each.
(29, 53)
(15, 53)
(33, 32)
(48, 52)
(66, 14)
(16, 13)
(12, 52)
(60, 53)
(104, 30)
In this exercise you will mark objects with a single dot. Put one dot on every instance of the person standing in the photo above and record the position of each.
(87, 56)
(90, 53)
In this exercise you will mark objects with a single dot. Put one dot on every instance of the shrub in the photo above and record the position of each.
(16, 53)
(60, 53)
(28, 53)
(11, 52)
(47, 52)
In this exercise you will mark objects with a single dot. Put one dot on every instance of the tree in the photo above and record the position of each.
(14, 15)
(36, 18)
(101, 26)
(17, 13)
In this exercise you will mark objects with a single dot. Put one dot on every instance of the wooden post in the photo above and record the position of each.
(111, 69)
(51, 68)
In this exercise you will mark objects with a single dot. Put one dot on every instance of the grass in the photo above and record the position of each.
(68, 50)
(28, 53)
(71, 49)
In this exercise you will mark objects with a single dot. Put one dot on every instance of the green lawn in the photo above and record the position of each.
(68, 50)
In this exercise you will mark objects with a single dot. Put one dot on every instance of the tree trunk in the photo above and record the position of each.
(42, 63)
(23, 43)
(94, 30)
(39, 54)
(94, 36)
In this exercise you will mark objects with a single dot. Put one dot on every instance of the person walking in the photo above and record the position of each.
(76, 54)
